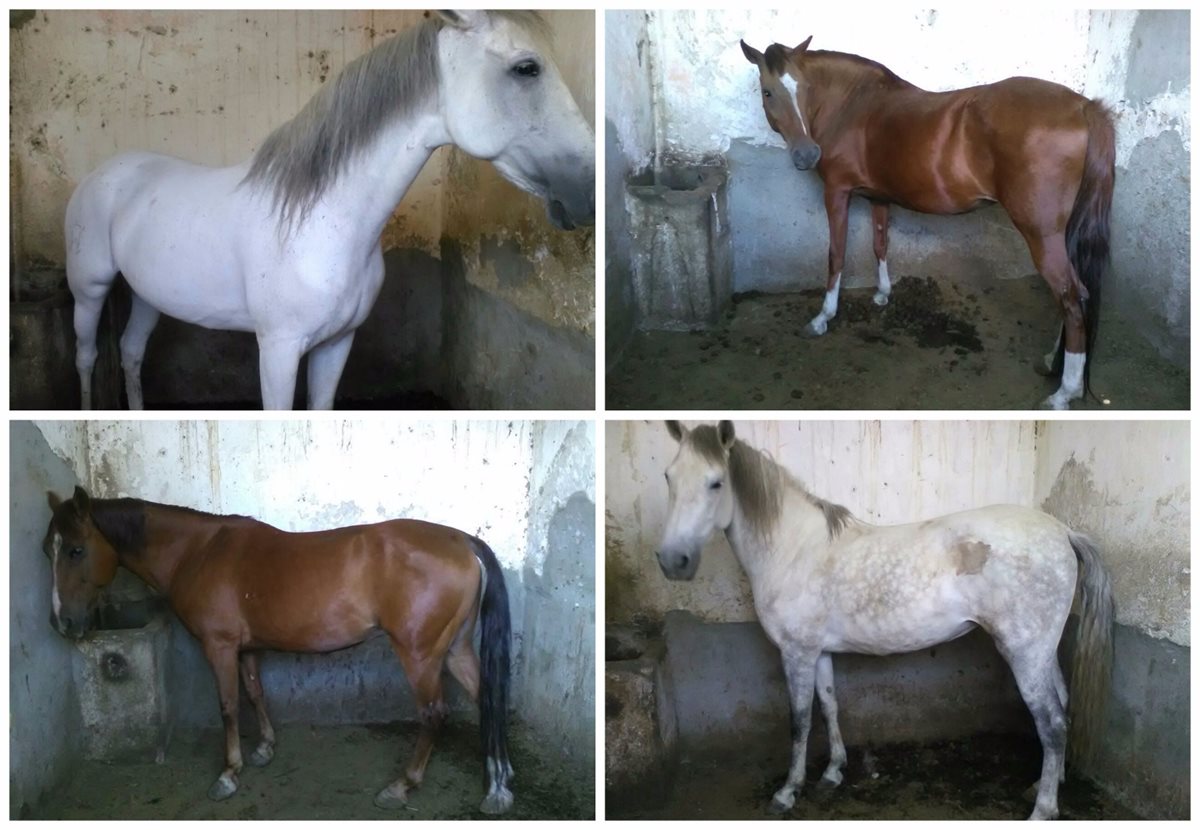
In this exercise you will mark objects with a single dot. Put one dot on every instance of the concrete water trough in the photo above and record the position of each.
(121, 676)
(682, 260)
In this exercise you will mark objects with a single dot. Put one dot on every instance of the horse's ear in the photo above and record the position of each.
(676, 430)
(802, 48)
(53, 500)
(725, 434)
(753, 55)
(462, 19)
(83, 502)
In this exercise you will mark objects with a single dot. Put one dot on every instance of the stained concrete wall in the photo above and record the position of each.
(1127, 485)
(707, 103)
(485, 303)
(43, 706)
(884, 472)
(507, 482)
(629, 138)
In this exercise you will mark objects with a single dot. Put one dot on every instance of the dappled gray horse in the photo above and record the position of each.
(825, 582)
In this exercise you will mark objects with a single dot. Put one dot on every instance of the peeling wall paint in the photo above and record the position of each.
(1127, 485)
(885, 472)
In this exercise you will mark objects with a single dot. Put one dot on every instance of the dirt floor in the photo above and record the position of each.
(936, 345)
(981, 778)
(321, 773)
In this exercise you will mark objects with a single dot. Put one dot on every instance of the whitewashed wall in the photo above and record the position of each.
(884, 472)
(707, 93)
(1127, 485)
(309, 475)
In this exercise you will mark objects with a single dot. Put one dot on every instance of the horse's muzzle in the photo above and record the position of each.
(806, 158)
(569, 213)
(678, 567)
(71, 627)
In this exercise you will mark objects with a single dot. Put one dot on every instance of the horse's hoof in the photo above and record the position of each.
(1055, 403)
(880, 299)
(222, 788)
(496, 802)
(828, 784)
(776, 807)
(389, 799)
(262, 756)
(815, 329)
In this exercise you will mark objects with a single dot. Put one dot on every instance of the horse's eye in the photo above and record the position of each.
(75, 553)
(527, 69)
(766, 93)
(716, 485)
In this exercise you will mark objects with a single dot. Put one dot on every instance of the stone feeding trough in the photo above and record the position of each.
(120, 673)
(682, 258)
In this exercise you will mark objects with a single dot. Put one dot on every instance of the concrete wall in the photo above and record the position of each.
(468, 252)
(1127, 485)
(43, 706)
(492, 479)
(629, 138)
(884, 472)
(707, 104)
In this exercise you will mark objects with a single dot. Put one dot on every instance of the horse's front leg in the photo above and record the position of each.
(325, 365)
(800, 667)
(223, 657)
(143, 317)
(879, 228)
(278, 363)
(837, 750)
(837, 207)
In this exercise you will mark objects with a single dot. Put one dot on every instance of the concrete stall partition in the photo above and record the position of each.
(523, 487)
(43, 740)
(484, 305)
(705, 105)
(710, 677)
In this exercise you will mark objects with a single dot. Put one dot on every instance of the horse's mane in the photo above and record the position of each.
(777, 56)
(123, 521)
(302, 158)
(759, 484)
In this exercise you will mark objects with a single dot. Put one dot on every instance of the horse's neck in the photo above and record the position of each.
(169, 539)
(841, 87)
(801, 529)
(376, 179)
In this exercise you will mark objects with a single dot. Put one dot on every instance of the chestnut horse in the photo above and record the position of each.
(1044, 152)
(241, 586)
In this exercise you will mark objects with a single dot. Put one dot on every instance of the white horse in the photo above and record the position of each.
(286, 244)
(824, 582)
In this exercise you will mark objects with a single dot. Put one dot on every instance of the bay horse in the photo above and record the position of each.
(1045, 153)
(825, 582)
(286, 244)
(241, 586)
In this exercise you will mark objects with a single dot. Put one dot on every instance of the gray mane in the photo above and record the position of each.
(759, 483)
(302, 158)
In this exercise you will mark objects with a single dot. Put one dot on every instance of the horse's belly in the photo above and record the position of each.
(892, 637)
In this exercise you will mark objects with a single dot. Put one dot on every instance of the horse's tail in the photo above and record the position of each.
(1092, 670)
(495, 637)
(1087, 227)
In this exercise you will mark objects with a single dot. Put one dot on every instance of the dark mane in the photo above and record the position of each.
(123, 521)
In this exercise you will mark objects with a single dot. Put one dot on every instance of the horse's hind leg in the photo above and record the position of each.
(1039, 680)
(253, 683)
(143, 317)
(425, 675)
(837, 749)
(325, 365)
(879, 227)
(278, 363)
(1050, 257)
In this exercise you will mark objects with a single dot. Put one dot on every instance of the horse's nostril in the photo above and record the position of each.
(684, 560)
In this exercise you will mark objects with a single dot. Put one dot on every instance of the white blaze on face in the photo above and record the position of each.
(55, 550)
(793, 89)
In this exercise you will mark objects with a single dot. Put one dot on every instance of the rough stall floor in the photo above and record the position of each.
(321, 773)
(981, 778)
(936, 345)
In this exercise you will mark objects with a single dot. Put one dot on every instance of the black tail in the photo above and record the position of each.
(495, 638)
(1087, 227)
